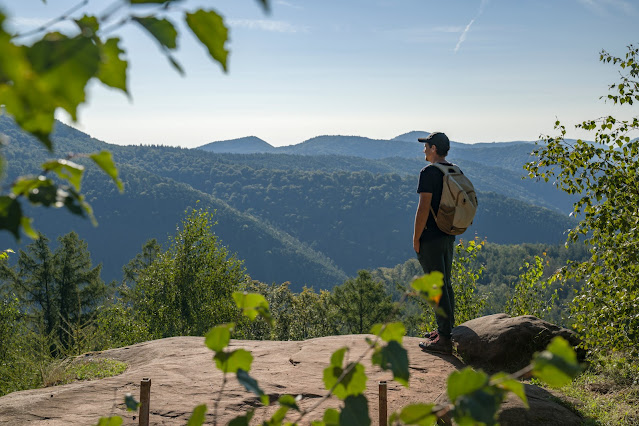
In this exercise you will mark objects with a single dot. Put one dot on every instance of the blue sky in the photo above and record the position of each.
(480, 70)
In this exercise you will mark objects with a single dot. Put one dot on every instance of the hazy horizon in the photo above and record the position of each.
(479, 70)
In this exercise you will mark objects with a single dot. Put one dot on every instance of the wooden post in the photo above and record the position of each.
(383, 416)
(145, 400)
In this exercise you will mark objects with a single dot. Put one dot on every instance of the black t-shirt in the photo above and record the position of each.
(431, 179)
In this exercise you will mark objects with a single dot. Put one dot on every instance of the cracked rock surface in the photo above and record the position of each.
(183, 376)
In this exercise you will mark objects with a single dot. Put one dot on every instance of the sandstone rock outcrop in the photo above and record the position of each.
(183, 376)
(500, 342)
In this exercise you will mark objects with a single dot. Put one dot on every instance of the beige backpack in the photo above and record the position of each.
(459, 202)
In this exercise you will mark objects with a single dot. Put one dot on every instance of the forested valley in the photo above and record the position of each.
(308, 219)
(323, 237)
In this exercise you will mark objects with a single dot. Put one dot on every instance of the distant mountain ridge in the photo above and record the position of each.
(507, 155)
(246, 145)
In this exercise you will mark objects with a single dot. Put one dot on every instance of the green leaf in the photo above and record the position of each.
(10, 215)
(337, 358)
(288, 401)
(110, 421)
(230, 362)
(112, 70)
(391, 331)
(74, 202)
(250, 384)
(330, 418)
(161, 29)
(34, 118)
(395, 358)
(252, 304)
(104, 160)
(89, 25)
(131, 403)
(480, 407)
(417, 414)
(67, 170)
(56, 57)
(557, 365)
(355, 412)
(465, 382)
(198, 417)
(242, 420)
(24, 97)
(430, 285)
(45, 192)
(209, 28)
(24, 184)
(218, 337)
(4, 254)
(353, 383)
(277, 418)
(505, 382)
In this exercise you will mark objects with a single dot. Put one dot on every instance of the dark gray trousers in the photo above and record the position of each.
(437, 255)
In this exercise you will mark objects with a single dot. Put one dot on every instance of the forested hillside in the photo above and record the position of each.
(494, 167)
(311, 220)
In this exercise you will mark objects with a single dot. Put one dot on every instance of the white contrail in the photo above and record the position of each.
(464, 33)
(266, 25)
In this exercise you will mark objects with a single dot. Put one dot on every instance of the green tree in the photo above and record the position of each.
(117, 325)
(33, 280)
(313, 315)
(59, 291)
(79, 291)
(604, 174)
(361, 302)
(296, 316)
(280, 299)
(190, 285)
(18, 359)
(150, 252)
(466, 272)
(530, 296)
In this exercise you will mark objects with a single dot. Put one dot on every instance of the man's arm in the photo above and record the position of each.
(421, 216)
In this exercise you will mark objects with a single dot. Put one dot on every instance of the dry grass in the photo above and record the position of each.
(84, 367)
(608, 392)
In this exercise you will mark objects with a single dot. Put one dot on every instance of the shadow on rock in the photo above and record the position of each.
(545, 409)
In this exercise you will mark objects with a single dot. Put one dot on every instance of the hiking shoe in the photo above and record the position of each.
(431, 335)
(440, 344)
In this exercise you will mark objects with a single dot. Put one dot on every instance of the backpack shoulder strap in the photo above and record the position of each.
(447, 168)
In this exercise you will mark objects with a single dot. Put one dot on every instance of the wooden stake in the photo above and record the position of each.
(383, 416)
(145, 400)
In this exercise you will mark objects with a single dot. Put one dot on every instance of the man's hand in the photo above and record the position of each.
(416, 245)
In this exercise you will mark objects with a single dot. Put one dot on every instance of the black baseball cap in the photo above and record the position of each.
(439, 139)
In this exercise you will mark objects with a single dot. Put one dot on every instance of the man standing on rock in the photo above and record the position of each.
(433, 246)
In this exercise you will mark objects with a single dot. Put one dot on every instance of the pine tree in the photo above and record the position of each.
(59, 291)
(33, 280)
(362, 302)
(150, 252)
(79, 288)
